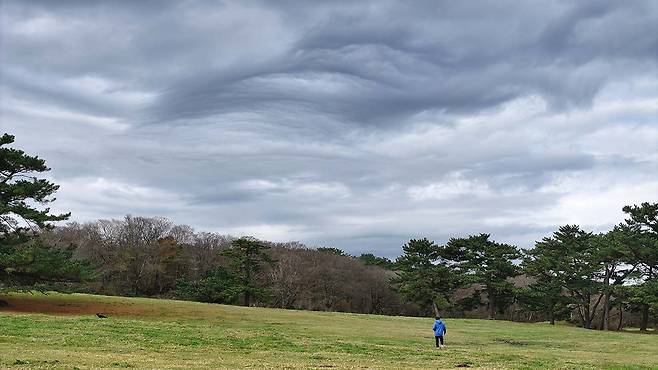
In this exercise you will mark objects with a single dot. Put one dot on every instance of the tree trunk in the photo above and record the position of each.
(645, 317)
(606, 311)
(435, 308)
(552, 317)
(579, 310)
(606, 298)
(621, 318)
(492, 308)
(247, 298)
(645, 309)
(585, 317)
(588, 319)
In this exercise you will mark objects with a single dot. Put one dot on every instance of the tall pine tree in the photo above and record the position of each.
(486, 264)
(575, 255)
(617, 253)
(422, 278)
(544, 264)
(643, 220)
(247, 258)
(25, 261)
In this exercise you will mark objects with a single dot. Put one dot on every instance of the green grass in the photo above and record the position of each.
(161, 334)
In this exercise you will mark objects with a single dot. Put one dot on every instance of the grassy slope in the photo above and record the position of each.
(145, 333)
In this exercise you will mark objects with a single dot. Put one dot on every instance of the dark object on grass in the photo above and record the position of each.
(101, 316)
(511, 342)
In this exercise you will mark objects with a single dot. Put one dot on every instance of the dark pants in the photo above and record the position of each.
(439, 339)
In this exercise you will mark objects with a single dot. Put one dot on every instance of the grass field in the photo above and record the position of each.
(160, 334)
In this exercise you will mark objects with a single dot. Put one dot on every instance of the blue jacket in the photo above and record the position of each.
(439, 328)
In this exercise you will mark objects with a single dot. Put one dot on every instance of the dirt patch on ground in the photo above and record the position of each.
(56, 306)
(511, 342)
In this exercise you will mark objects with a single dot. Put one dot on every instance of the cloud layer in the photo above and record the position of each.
(351, 124)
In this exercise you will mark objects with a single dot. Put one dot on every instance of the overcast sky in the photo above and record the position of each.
(350, 124)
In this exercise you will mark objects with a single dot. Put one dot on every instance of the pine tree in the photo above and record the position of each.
(247, 258)
(616, 253)
(643, 220)
(574, 252)
(486, 264)
(25, 261)
(19, 189)
(370, 259)
(421, 278)
(218, 286)
(544, 264)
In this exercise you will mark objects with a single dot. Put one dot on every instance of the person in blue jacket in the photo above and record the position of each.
(439, 331)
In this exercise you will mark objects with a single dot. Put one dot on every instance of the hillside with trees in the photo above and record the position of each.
(604, 281)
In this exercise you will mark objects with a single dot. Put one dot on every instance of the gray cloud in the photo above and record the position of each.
(353, 124)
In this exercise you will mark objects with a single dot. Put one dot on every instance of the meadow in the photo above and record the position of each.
(58, 331)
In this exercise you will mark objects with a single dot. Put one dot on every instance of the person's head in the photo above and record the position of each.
(438, 317)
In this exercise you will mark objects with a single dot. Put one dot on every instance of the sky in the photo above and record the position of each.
(350, 124)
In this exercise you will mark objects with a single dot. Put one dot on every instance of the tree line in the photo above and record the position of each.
(572, 274)
(151, 256)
